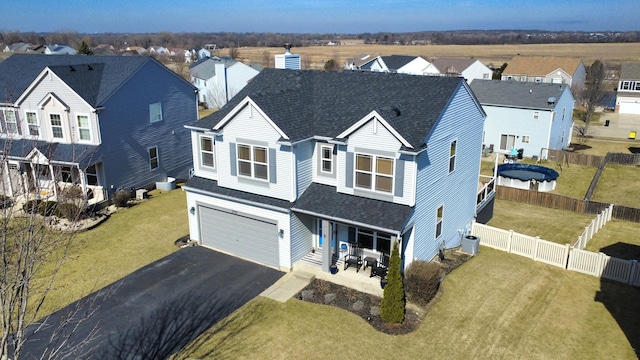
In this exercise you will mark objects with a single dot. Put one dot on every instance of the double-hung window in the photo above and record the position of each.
(32, 123)
(439, 215)
(374, 172)
(84, 131)
(10, 121)
(452, 155)
(155, 112)
(56, 126)
(153, 157)
(253, 161)
(206, 152)
(326, 153)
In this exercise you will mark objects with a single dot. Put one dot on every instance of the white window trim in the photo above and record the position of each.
(252, 161)
(15, 122)
(157, 118)
(373, 173)
(439, 221)
(37, 123)
(330, 159)
(453, 157)
(527, 137)
(78, 128)
(151, 168)
(201, 152)
(61, 126)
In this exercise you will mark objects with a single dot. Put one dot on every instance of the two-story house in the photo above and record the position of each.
(104, 122)
(628, 93)
(547, 69)
(303, 161)
(218, 80)
(524, 115)
(470, 69)
(403, 64)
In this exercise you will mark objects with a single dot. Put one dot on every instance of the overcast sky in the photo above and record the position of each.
(307, 16)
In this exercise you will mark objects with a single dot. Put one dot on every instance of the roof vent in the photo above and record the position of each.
(396, 110)
(530, 91)
(551, 100)
(71, 68)
(89, 67)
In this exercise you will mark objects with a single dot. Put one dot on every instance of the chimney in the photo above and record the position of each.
(287, 48)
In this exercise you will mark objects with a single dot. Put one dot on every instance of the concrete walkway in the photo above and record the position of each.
(288, 285)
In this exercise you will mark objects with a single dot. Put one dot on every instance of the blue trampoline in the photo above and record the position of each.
(527, 176)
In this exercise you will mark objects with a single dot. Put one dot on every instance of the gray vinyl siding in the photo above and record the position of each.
(301, 235)
(248, 126)
(77, 106)
(304, 166)
(462, 120)
(127, 132)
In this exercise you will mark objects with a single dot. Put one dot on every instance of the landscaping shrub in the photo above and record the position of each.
(121, 198)
(31, 206)
(392, 306)
(421, 281)
(47, 208)
(69, 211)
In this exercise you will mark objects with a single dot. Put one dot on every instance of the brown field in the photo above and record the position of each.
(489, 54)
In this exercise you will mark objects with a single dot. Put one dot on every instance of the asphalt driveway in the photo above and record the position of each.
(155, 311)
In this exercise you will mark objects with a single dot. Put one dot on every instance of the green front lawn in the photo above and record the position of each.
(495, 306)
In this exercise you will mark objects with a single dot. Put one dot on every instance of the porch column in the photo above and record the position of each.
(52, 175)
(83, 184)
(327, 254)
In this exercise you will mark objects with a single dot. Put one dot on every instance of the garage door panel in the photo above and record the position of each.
(240, 234)
(629, 108)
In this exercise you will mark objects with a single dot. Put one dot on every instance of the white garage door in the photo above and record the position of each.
(240, 234)
(629, 108)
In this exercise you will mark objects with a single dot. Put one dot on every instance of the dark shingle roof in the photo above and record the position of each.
(212, 187)
(19, 70)
(324, 200)
(395, 62)
(517, 94)
(84, 155)
(307, 103)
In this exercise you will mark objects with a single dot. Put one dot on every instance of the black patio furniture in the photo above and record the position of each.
(354, 257)
(381, 267)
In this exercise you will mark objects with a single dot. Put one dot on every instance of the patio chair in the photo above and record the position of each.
(380, 269)
(354, 257)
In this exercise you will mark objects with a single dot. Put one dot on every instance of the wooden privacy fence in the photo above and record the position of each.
(563, 256)
(596, 224)
(563, 156)
(561, 202)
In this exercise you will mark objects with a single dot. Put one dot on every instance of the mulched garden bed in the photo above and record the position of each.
(368, 306)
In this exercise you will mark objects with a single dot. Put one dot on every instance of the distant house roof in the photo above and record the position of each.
(630, 71)
(452, 65)
(206, 68)
(541, 65)
(359, 60)
(395, 62)
(92, 77)
(331, 102)
(510, 93)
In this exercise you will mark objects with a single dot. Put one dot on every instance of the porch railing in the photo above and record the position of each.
(487, 192)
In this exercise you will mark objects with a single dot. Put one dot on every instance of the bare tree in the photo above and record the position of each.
(592, 95)
(32, 253)
(306, 61)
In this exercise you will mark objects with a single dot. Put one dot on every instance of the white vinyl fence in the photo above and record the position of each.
(596, 224)
(563, 256)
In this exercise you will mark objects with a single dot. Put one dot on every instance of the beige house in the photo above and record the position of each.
(546, 69)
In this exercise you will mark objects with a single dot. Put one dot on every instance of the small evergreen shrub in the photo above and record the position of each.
(121, 198)
(421, 281)
(392, 306)
(31, 206)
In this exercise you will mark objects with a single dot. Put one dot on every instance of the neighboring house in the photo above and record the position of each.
(190, 55)
(305, 160)
(546, 69)
(54, 49)
(203, 54)
(218, 80)
(105, 122)
(356, 62)
(159, 50)
(470, 69)
(628, 93)
(104, 49)
(19, 47)
(528, 116)
(403, 64)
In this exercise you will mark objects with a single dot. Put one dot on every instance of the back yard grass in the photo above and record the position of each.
(619, 185)
(495, 306)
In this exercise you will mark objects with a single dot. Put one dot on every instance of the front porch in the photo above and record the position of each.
(361, 280)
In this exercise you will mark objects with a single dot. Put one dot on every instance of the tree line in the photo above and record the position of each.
(187, 40)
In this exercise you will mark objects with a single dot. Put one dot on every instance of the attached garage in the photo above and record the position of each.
(629, 107)
(240, 234)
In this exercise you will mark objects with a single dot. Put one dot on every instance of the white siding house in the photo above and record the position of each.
(218, 80)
